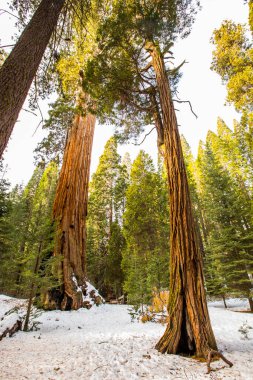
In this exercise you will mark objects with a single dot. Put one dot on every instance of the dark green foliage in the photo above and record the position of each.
(114, 274)
(40, 242)
(221, 186)
(116, 77)
(28, 261)
(51, 148)
(146, 230)
(5, 227)
(142, 249)
(106, 205)
(229, 260)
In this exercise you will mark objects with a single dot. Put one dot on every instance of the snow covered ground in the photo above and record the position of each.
(103, 343)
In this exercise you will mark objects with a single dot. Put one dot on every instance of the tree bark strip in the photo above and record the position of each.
(70, 209)
(20, 67)
(189, 329)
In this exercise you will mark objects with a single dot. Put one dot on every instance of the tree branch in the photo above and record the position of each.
(33, 113)
(186, 101)
(147, 67)
(175, 70)
(36, 99)
(5, 46)
(11, 14)
(167, 48)
(145, 136)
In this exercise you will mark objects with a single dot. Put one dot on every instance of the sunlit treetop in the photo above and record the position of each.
(251, 15)
(233, 61)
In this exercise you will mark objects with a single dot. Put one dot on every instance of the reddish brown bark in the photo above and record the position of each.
(19, 69)
(189, 329)
(70, 210)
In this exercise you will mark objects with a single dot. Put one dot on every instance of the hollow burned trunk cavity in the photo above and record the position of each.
(189, 329)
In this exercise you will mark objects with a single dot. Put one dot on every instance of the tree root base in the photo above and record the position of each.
(217, 355)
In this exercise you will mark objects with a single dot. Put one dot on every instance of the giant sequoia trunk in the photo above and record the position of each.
(70, 210)
(19, 69)
(189, 329)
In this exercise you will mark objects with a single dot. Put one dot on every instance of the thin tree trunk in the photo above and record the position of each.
(224, 301)
(250, 303)
(32, 290)
(70, 210)
(20, 266)
(189, 329)
(19, 69)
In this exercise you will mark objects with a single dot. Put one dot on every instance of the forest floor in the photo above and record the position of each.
(103, 343)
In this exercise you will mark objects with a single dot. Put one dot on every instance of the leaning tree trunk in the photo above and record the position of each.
(70, 210)
(189, 329)
(19, 69)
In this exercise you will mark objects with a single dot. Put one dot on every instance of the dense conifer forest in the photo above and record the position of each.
(162, 234)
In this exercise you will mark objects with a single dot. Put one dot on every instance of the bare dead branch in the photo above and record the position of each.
(147, 67)
(170, 56)
(145, 136)
(5, 46)
(37, 102)
(147, 78)
(11, 14)
(176, 69)
(186, 101)
(37, 128)
(33, 113)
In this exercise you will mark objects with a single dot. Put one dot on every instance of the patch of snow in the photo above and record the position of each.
(103, 344)
(11, 311)
(92, 293)
(232, 304)
(90, 290)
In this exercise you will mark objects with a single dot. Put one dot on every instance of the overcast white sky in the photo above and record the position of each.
(199, 85)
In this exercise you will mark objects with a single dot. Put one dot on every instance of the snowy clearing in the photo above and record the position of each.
(103, 343)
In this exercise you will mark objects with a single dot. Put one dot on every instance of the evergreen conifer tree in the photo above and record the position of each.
(27, 266)
(106, 204)
(145, 258)
(5, 227)
(229, 259)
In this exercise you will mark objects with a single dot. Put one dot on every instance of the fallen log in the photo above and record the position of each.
(12, 330)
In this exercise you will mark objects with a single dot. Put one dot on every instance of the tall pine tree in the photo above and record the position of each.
(145, 258)
(106, 205)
